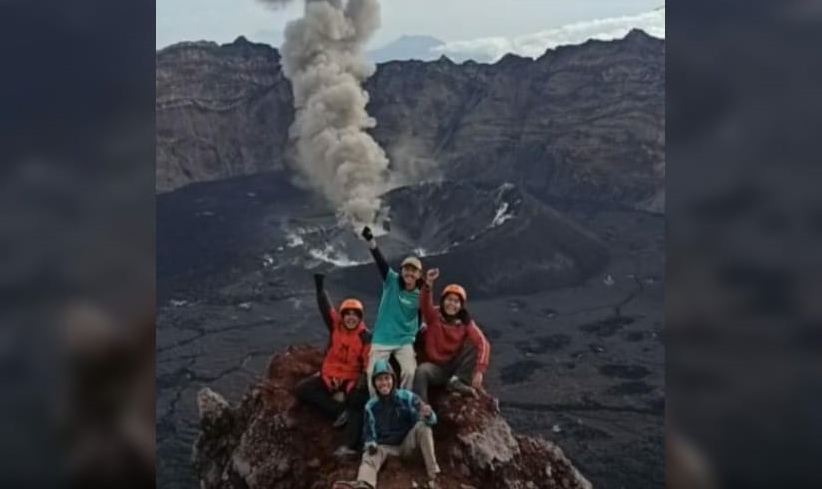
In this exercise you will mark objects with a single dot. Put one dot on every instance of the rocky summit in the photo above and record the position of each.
(270, 440)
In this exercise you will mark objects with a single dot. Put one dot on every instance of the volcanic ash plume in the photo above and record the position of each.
(324, 60)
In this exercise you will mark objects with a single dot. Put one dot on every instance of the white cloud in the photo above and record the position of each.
(535, 44)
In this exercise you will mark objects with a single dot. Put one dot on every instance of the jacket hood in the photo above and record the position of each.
(383, 367)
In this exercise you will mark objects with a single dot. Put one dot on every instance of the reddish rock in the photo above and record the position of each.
(270, 440)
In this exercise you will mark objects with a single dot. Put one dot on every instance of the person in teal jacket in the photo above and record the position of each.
(398, 316)
(397, 423)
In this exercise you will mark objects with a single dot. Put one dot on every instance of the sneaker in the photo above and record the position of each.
(457, 385)
(344, 452)
(341, 419)
(431, 484)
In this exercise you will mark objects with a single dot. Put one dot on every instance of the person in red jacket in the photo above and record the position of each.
(339, 389)
(455, 349)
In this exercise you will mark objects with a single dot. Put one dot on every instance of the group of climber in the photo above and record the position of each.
(356, 385)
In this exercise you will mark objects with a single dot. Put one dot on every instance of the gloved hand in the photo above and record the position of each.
(372, 449)
(367, 234)
(318, 280)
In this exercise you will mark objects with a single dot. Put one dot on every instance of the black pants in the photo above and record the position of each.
(462, 365)
(312, 390)
(355, 404)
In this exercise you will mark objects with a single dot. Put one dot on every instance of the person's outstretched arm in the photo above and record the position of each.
(365, 337)
(327, 311)
(429, 312)
(375, 252)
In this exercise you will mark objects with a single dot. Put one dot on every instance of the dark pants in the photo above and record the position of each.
(461, 364)
(313, 391)
(355, 404)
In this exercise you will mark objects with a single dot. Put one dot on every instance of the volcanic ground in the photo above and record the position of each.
(570, 296)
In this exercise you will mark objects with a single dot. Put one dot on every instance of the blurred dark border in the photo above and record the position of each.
(743, 327)
(77, 234)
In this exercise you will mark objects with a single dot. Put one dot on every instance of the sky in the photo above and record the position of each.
(534, 44)
(490, 25)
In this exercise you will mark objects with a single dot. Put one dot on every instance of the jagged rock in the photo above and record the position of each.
(495, 444)
(213, 408)
(269, 440)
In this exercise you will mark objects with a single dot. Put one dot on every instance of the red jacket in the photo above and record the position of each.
(346, 356)
(442, 340)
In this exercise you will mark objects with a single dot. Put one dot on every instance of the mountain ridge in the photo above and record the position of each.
(584, 120)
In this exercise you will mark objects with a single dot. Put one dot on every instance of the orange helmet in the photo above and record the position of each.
(353, 304)
(455, 289)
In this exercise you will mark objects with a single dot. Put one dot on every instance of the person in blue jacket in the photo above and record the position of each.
(397, 423)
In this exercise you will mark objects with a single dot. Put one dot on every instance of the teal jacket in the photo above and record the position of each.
(388, 419)
(398, 316)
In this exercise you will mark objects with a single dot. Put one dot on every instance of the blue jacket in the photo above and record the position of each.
(388, 419)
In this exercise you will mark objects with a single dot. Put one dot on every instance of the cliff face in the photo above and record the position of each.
(270, 440)
(222, 111)
(581, 122)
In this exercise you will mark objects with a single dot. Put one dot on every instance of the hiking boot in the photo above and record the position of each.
(344, 452)
(457, 385)
(341, 419)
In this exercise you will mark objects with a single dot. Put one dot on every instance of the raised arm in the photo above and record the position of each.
(323, 302)
(429, 312)
(375, 252)
(365, 337)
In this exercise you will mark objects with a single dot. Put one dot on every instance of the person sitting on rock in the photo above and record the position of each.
(454, 347)
(398, 317)
(397, 423)
(334, 388)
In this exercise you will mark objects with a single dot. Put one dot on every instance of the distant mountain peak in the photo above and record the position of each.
(407, 47)
(243, 43)
(637, 33)
(445, 59)
(422, 38)
(513, 58)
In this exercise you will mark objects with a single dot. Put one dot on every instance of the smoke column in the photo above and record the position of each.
(323, 58)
